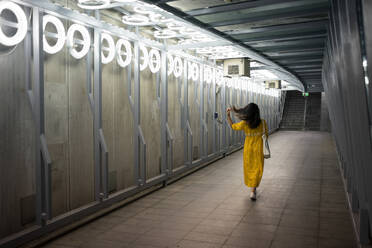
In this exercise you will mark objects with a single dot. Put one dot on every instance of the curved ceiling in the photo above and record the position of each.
(290, 33)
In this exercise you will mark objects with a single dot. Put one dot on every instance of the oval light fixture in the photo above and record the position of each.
(142, 10)
(158, 18)
(144, 57)
(136, 20)
(174, 25)
(93, 4)
(207, 74)
(170, 64)
(61, 34)
(86, 40)
(21, 27)
(154, 60)
(194, 71)
(178, 67)
(111, 49)
(127, 53)
(165, 34)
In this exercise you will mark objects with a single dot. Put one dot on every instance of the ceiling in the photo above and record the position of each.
(291, 33)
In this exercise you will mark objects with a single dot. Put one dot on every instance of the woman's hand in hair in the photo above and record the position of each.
(228, 111)
(229, 120)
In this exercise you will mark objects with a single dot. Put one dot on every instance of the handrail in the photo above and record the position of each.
(143, 156)
(170, 139)
(47, 178)
(190, 135)
(105, 169)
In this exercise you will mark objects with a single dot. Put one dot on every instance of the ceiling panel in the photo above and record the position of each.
(291, 33)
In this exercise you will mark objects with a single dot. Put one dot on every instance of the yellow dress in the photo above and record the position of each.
(253, 159)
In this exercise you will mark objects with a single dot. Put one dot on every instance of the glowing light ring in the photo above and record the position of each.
(154, 60)
(142, 11)
(61, 34)
(170, 64)
(208, 75)
(136, 20)
(175, 26)
(101, 4)
(111, 55)
(204, 51)
(22, 24)
(125, 1)
(202, 38)
(165, 34)
(194, 72)
(189, 73)
(158, 18)
(86, 40)
(178, 67)
(128, 53)
(144, 57)
(188, 31)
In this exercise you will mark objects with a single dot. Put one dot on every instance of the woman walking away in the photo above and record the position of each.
(253, 157)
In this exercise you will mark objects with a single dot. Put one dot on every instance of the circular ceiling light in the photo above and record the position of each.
(204, 50)
(208, 74)
(194, 71)
(111, 49)
(21, 27)
(144, 57)
(158, 18)
(178, 67)
(93, 4)
(154, 60)
(170, 64)
(127, 53)
(136, 20)
(86, 40)
(125, 1)
(188, 31)
(165, 34)
(142, 10)
(186, 41)
(175, 25)
(61, 34)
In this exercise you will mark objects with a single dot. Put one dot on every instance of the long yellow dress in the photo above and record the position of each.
(253, 159)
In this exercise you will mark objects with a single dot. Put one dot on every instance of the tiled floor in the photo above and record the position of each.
(301, 203)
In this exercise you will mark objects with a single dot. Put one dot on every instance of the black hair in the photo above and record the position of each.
(250, 114)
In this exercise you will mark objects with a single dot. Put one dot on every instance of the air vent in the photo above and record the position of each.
(237, 67)
(273, 84)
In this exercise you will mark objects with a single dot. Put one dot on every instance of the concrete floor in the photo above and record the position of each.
(301, 203)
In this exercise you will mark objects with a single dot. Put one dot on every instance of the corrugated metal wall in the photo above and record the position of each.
(347, 95)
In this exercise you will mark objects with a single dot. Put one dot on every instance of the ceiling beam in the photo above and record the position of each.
(287, 37)
(235, 6)
(294, 67)
(315, 41)
(289, 14)
(284, 27)
(297, 61)
(316, 52)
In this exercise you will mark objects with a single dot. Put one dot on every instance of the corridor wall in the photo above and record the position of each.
(79, 135)
(348, 95)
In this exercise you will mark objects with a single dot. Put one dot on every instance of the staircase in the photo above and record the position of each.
(294, 108)
(313, 111)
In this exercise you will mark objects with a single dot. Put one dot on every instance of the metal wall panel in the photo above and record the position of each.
(343, 80)
(121, 129)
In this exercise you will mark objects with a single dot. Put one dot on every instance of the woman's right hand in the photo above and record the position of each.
(228, 110)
